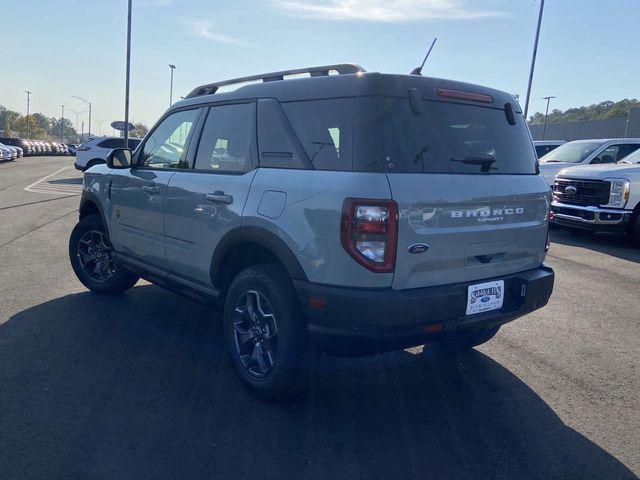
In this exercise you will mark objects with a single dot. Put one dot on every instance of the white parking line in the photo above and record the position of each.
(42, 186)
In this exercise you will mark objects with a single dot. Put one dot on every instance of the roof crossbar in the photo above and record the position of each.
(341, 68)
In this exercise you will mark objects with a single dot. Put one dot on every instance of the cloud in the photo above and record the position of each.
(383, 10)
(205, 29)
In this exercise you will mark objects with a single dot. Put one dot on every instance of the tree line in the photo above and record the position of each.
(597, 111)
(43, 127)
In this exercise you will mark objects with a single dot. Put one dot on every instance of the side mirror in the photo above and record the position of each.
(119, 158)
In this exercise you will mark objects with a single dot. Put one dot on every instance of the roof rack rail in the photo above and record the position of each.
(341, 68)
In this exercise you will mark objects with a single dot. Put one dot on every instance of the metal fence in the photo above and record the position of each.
(610, 128)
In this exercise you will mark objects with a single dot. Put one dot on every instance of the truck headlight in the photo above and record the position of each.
(619, 192)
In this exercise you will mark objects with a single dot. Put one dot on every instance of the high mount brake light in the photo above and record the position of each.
(460, 95)
(369, 232)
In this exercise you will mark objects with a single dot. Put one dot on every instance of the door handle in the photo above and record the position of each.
(151, 190)
(219, 197)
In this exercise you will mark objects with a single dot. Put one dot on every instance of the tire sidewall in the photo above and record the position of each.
(119, 282)
(274, 284)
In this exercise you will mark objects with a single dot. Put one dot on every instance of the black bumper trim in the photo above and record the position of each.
(385, 319)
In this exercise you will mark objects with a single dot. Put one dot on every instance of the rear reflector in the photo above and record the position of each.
(434, 328)
(317, 303)
(473, 97)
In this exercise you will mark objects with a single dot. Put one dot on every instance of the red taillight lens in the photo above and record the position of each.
(369, 232)
(83, 149)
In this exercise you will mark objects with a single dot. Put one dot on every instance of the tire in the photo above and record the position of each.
(275, 332)
(467, 342)
(91, 258)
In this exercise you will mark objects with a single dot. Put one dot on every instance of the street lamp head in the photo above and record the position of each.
(172, 66)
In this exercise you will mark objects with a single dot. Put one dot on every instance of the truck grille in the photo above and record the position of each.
(587, 192)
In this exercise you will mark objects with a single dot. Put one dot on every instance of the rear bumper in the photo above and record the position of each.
(79, 167)
(355, 321)
(590, 218)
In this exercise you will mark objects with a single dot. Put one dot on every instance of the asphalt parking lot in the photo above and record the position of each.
(138, 386)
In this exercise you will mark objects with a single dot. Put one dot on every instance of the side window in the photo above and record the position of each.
(324, 127)
(627, 149)
(279, 146)
(608, 155)
(112, 143)
(166, 146)
(227, 139)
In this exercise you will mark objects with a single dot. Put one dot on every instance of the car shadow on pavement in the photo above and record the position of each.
(138, 386)
(615, 245)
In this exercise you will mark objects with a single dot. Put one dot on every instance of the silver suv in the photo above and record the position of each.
(356, 212)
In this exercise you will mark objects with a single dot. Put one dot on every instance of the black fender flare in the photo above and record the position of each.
(262, 237)
(90, 197)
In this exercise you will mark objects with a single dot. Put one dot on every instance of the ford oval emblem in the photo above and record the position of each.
(571, 190)
(418, 248)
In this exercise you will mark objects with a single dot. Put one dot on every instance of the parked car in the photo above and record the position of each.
(71, 148)
(95, 150)
(300, 206)
(545, 146)
(8, 152)
(31, 149)
(600, 198)
(17, 142)
(586, 152)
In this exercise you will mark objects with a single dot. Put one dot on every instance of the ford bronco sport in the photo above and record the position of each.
(362, 211)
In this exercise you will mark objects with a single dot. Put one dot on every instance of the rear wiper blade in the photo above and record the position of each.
(484, 162)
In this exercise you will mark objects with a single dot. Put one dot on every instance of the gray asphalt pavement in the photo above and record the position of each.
(138, 386)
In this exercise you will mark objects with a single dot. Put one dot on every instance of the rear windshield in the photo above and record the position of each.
(442, 138)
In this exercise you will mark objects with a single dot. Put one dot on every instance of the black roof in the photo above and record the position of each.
(344, 85)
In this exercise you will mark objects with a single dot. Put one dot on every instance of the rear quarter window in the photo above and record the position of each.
(325, 129)
(445, 137)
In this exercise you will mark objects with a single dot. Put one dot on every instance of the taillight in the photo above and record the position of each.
(83, 149)
(369, 232)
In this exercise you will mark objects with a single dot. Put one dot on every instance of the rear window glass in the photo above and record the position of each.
(324, 127)
(443, 138)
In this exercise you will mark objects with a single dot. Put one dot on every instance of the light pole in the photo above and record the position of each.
(100, 122)
(62, 125)
(127, 75)
(533, 60)
(546, 114)
(172, 67)
(28, 105)
(88, 103)
(76, 114)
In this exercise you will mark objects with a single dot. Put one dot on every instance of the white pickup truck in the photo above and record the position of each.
(599, 198)
(586, 152)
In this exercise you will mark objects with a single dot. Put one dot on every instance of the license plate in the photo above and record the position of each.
(484, 297)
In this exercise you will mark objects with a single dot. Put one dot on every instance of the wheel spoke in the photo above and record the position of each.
(85, 258)
(250, 306)
(242, 334)
(260, 357)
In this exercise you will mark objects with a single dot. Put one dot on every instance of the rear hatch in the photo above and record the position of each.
(463, 174)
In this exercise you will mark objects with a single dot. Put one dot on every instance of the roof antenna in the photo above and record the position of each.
(418, 70)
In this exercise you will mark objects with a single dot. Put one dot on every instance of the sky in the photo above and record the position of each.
(59, 48)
